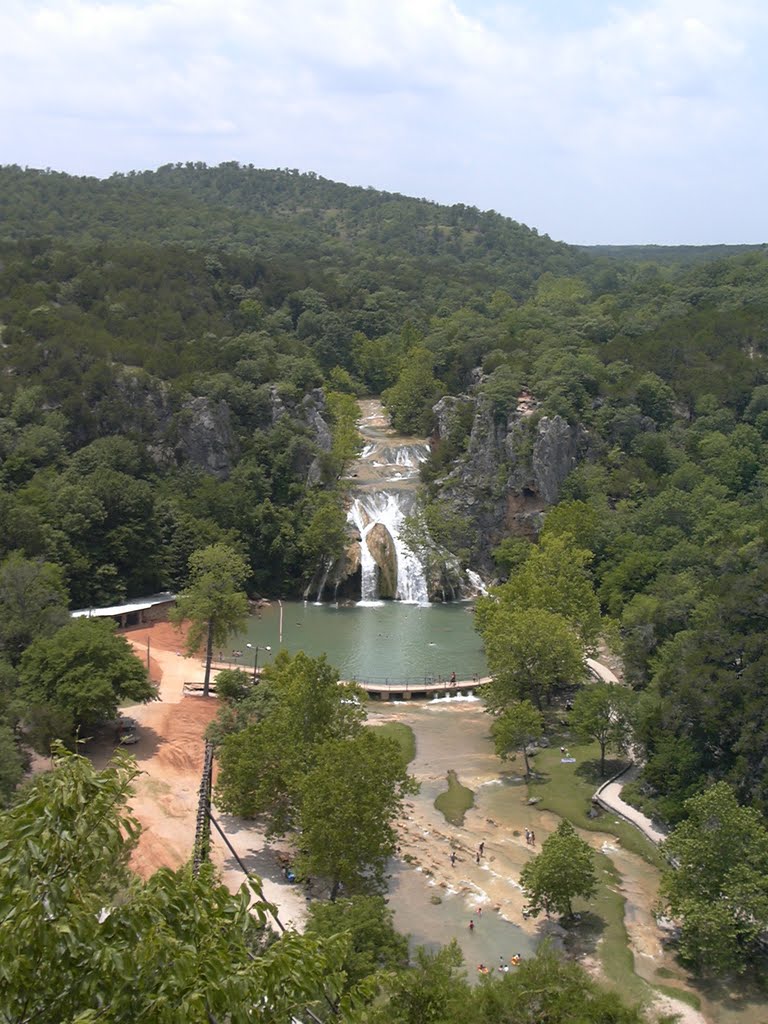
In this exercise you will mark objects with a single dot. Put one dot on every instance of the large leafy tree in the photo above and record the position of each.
(348, 802)
(564, 869)
(84, 670)
(531, 654)
(373, 943)
(262, 765)
(516, 728)
(411, 397)
(33, 602)
(84, 940)
(548, 988)
(214, 602)
(718, 886)
(12, 763)
(603, 712)
(555, 578)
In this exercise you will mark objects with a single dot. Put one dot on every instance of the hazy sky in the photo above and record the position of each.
(634, 121)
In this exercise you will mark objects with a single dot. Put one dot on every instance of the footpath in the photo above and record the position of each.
(609, 797)
(609, 794)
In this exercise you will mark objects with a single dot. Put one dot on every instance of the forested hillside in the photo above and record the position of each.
(180, 349)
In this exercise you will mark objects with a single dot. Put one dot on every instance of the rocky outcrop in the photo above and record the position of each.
(382, 548)
(201, 431)
(514, 468)
(204, 436)
(556, 451)
(309, 415)
(195, 431)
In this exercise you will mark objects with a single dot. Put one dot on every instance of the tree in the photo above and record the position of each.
(33, 602)
(261, 766)
(431, 992)
(373, 944)
(515, 728)
(213, 603)
(84, 669)
(12, 763)
(83, 939)
(233, 684)
(548, 988)
(603, 712)
(348, 801)
(718, 886)
(530, 654)
(555, 578)
(562, 870)
(416, 390)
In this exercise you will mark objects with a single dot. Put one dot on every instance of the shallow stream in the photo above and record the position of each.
(453, 734)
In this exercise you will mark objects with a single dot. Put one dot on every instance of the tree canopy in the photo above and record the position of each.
(83, 939)
(214, 604)
(564, 869)
(85, 670)
(718, 884)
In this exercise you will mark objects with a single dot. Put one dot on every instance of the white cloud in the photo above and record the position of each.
(423, 95)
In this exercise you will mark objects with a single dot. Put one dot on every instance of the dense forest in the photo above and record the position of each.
(181, 350)
(176, 344)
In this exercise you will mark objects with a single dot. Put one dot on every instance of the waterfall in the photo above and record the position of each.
(477, 583)
(388, 509)
(323, 580)
(368, 588)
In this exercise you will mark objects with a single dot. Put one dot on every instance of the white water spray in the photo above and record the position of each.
(388, 508)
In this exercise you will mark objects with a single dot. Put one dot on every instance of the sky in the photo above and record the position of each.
(639, 121)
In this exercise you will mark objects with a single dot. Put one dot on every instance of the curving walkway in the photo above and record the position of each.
(609, 797)
(609, 794)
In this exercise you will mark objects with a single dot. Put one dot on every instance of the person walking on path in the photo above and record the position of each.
(477, 857)
(482, 847)
(453, 858)
(533, 838)
(528, 837)
(471, 925)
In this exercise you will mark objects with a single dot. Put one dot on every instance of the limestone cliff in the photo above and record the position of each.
(514, 468)
(202, 432)
(192, 430)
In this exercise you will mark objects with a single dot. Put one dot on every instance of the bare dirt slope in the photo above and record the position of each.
(169, 753)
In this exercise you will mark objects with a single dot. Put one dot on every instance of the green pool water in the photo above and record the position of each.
(389, 641)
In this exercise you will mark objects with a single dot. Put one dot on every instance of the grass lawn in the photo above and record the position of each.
(601, 933)
(456, 801)
(403, 736)
(566, 790)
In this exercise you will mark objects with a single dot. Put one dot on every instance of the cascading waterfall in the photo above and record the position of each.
(476, 582)
(387, 472)
(388, 509)
(377, 564)
(323, 580)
